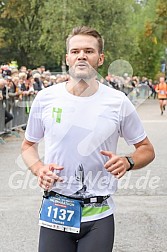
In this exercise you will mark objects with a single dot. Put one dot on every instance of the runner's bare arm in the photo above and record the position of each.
(31, 157)
(45, 173)
(142, 156)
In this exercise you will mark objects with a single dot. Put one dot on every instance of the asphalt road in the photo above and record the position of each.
(141, 201)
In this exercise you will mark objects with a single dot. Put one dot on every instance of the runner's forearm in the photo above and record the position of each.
(143, 154)
(31, 157)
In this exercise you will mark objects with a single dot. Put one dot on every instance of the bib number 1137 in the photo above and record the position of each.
(61, 214)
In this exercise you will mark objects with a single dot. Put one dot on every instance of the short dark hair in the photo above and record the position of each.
(85, 30)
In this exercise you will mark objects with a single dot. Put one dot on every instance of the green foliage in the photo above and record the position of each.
(110, 18)
(21, 22)
(34, 32)
(151, 38)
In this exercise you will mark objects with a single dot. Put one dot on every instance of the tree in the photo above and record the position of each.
(151, 37)
(20, 22)
(34, 32)
(110, 17)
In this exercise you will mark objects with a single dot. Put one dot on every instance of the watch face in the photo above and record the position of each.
(131, 162)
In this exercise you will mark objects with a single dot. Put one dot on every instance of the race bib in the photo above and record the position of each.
(162, 92)
(61, 213)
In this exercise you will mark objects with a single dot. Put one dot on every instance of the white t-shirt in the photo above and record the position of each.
(75, 129)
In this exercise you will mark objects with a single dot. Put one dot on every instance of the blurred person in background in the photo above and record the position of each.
(27, 87)
(37, 82)
(3, 84)
(23, 69)
(161, 89)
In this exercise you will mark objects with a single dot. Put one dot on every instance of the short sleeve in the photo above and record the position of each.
(131, 126)
(35, 130)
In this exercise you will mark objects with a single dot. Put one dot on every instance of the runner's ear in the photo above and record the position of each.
(67, 60)
(101, 59)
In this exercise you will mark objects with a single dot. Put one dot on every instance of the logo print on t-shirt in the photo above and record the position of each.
(79, 176)
(56, 113)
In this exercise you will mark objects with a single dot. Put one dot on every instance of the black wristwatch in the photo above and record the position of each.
(131, 162)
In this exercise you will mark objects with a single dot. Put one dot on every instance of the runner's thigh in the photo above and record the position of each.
(56, 241)
(100, 238)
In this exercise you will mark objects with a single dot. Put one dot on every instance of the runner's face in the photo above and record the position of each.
(162, 79)
(83, 57)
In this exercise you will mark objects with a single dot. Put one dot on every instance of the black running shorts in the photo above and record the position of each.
(94, 236)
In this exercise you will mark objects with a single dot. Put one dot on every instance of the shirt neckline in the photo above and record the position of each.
(82, 98)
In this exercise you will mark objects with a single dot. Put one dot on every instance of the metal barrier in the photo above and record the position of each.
(19, 109)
